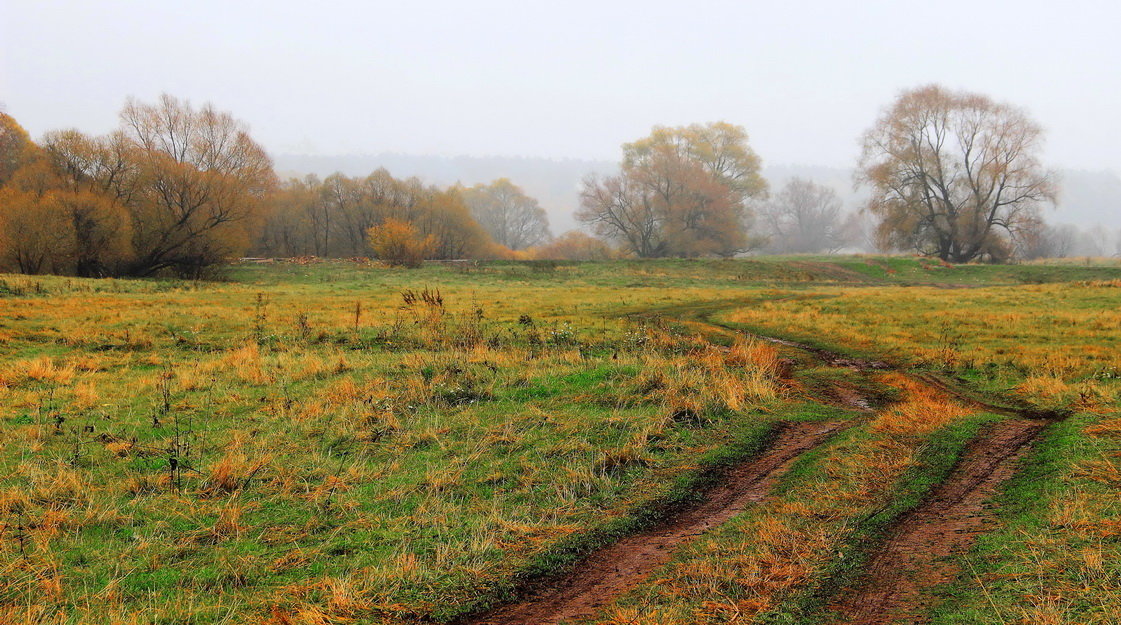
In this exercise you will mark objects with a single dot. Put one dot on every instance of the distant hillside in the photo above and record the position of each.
(1088, 198)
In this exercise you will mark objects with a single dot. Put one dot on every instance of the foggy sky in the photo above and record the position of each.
(563, 79)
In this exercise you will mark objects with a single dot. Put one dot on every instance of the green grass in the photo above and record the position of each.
(1053, 557)
(937, 455)
(429, 462)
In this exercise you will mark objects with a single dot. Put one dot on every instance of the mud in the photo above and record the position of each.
(612, 571)
(916, 555)
(894, 586)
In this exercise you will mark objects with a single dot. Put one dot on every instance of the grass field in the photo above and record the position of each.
(345, 443)
(1055, 559)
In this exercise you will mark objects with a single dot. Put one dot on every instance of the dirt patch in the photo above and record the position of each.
(831, 272)
(612, 571)
(915, 556)
(832, 359)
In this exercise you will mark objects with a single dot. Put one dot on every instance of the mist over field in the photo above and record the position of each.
(1088, 199)
(538, 313)
(560, 81)
(544, 95)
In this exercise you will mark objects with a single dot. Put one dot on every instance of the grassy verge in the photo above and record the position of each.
(778, 561)
(687, 487)
(934, 460)
(1055, 557)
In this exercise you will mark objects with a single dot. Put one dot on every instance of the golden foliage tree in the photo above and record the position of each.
(399, 243)
(333, 217)
(34, 238)
(16, 148)
(49, 226)
(719, 149)
(953, 174)
(102, 231)
(682, 192)
(444, 216)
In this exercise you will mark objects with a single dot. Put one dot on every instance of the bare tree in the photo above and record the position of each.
(204, 185)
(1039, 239)
(804, 217)
(619, 209)
(953, 174)
(511, 217)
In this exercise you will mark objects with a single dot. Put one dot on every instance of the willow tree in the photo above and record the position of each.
(193, 181)
(954, 174)
(203, 185)
(682, 192)
(509, 216)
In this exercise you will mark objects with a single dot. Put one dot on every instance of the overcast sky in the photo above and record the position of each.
(564, 79)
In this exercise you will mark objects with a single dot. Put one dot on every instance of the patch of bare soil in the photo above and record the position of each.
(612, 571)
(915, 556)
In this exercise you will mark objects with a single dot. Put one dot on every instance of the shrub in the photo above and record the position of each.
(398, 243)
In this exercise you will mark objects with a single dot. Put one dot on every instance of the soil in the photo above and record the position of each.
(612, 571)
(917, 553)
(915, 556)
(895, 585)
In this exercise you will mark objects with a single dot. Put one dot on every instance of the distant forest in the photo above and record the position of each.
(1087, 200)
(179, 189)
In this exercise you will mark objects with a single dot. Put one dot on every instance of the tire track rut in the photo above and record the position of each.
(608, 573)
(895, 583)
(916, 554)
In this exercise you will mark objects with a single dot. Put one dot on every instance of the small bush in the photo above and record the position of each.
(398, 243)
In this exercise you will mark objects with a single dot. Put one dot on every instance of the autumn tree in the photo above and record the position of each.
(290, 228)
(194, 183)
(511, 217)
(681, 192)
(719, 149)
(49, 224)
(89, 180)
(953, 174)
(34, 238)
(333, 217)
(16, 147)
(804, 217)
(203, 185)
(444, 216)
(175, 188)
(399, 243)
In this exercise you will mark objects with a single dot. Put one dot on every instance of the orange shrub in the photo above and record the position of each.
(398, 243)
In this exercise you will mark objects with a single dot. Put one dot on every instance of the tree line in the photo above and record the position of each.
(174, 188)
(178, 190)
